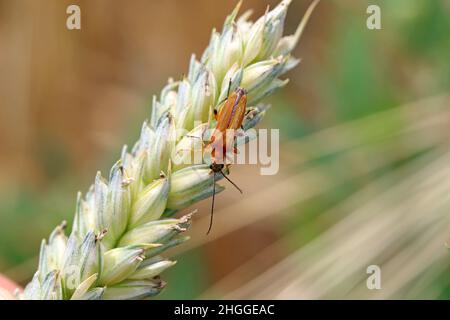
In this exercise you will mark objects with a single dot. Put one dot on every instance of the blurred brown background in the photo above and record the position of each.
(70, 99)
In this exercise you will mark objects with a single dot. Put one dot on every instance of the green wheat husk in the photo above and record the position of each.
(124, 223)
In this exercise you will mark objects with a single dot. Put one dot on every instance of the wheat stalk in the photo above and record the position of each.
(123, 224)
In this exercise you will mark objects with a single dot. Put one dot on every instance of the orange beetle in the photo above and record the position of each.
(229, 120)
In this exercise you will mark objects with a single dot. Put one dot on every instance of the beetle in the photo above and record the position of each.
(229, 120)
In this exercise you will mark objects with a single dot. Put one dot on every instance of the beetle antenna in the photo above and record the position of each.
(212, 206)
(234, 184)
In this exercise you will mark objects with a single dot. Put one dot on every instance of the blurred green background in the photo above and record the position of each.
(364, 123)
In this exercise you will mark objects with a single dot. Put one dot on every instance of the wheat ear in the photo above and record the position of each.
(123, 224)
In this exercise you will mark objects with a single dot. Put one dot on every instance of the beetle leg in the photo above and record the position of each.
(228, 94)
(229, 88)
